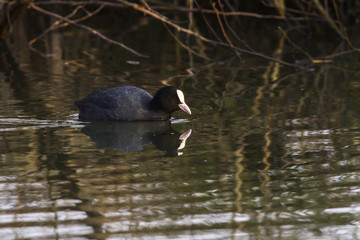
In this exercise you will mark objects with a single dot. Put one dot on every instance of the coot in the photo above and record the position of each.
(130, 103)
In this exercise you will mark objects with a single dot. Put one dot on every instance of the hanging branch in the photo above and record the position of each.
(33, 6)
(144, 7)
(328, 19)
(221, 25)
(184, 9)
(343, 29)
(165, 20)
(147, 10)
(59, 23)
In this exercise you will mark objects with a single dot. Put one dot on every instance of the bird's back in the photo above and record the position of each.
(126, 103)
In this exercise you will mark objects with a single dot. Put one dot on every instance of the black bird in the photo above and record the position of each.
(130, 103)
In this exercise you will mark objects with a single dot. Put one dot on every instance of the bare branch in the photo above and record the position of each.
(197, 35)
(328, 18)
(343, 29)
(58, 24)
(295, 45)
(221, 25)
(33, 6)
(179, 9)
(184, 46)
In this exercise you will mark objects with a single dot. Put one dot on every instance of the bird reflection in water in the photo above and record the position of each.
(133, 136)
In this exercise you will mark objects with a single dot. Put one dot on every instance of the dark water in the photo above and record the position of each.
(269, 152)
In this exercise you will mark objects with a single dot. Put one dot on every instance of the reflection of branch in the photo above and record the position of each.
(33, 6)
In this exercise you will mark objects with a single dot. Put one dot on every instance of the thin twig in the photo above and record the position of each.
(343, 29)
(328, 18)
(295, 45)
(221, 25)
(89, 14)
(207, 23)
(335, 55)
(151, 12)
(232, 30)
(295, 11)
(145, 4)
(184, 46)
(33, 6)
(58, 24)
(53, 26)
(197, 35)
(180, 9)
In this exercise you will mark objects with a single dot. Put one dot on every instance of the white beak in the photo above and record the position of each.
(183, 105)
(185, 108)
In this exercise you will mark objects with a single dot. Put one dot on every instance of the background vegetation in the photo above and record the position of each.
(197, 25)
